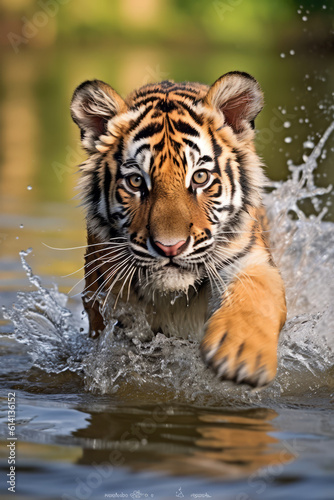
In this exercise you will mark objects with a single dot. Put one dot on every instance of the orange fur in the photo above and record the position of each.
(242, 335)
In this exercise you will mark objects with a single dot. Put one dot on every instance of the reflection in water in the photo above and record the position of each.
(220, 445)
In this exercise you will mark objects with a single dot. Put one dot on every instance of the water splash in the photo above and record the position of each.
(44, 323)
(134, 362)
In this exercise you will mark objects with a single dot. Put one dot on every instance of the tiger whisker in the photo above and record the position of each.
(119, 276)
(85, 246)
(132, 269)
(115, 246)
(110, 276)
(129, 285)
(91, 271)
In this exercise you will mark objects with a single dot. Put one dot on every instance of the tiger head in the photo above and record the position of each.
(171, 175)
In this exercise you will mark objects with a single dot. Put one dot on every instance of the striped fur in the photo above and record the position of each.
(172, 188)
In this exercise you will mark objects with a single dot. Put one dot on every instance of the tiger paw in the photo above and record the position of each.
(239, 350)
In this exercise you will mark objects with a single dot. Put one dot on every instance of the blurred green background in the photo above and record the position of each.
(49, 46)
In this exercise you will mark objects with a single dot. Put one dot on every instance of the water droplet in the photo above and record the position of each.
(287, 124)
(304, 18)
(308, 144)
(309, 88)
(29, 188)
(302, 107)
(282, 55)
(292, 52)
(21, 226)
(288, 140)
(324, 7)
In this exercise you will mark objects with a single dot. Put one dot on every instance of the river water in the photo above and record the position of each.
(136, 416)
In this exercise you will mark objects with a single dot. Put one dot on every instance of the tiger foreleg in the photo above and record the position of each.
(240, 342)
(93, 287)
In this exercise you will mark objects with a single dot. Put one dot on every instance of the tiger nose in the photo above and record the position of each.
(171, 250)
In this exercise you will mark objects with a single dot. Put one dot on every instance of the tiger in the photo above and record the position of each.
(173, 195)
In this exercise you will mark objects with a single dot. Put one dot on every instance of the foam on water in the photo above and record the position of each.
(134, 361)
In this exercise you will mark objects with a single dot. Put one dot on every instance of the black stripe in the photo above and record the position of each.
(169, 124)
(226, 208)
(140, 254)
(197, 118)
(106, 186)
(243, 177)
(241, 254)
(233, 225)
(229, 172)
(118, 155)
(156, 114)
(141, 148)
(184, 162)
(219, 192)
(117, 215)
(185, 88)
(205, 159)
(217, 151)
(166, 105)
(134, 124)
(118, 196)
(144, 101)
(149, 130)
(185, 128)
(202, 249)
(192, 145)
(186, 95)
(160, 145)
(222, 340)
(162, 160)
(176, 145)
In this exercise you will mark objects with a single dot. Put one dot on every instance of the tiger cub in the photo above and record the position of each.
(175, 221)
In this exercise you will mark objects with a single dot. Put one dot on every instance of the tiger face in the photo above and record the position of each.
(172, 176)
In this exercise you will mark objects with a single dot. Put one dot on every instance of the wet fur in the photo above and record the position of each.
(223, 288)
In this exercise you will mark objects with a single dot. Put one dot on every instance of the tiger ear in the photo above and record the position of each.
(93, 104)
(238, 97)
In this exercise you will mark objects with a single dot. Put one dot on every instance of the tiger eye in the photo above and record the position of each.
(200, 177)
(135, 181)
